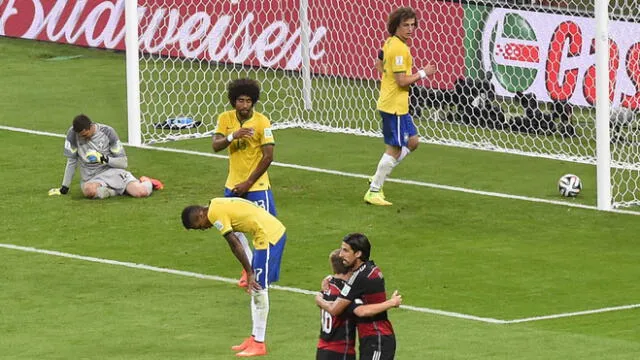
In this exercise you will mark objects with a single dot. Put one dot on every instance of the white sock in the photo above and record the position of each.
(104, 192)
(245, 245)
(260, 313)
(147, 184)
(386, 164)
(403, 154)
(252, 307)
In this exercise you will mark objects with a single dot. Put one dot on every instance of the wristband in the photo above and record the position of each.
(422, 74)
(230, 137)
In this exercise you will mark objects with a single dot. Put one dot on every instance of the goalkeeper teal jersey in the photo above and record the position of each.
(105, 141)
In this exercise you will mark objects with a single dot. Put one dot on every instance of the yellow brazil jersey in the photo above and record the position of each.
(245, 154)
(396, 59)
(237, 214)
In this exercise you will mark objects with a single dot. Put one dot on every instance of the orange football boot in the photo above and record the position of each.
(245, 344)
(254, 349)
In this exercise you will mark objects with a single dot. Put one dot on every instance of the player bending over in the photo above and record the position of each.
(230, 216)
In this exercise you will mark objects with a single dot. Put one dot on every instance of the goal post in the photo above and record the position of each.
(557, 79)
(132, 72)
(603, 152)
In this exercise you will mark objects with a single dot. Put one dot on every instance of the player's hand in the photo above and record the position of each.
(396, 299)
(58, 191)
(429, 69)
(324, 286)
(252, 284)
(241, 189)
(243, 133)
(94, 157)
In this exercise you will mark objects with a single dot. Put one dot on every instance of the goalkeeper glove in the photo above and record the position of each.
(94, 157)
(61, 191)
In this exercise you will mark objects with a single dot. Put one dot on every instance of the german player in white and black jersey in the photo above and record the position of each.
(97, 150)
(365, 286)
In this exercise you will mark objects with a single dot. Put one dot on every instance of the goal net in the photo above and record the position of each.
(513, 76)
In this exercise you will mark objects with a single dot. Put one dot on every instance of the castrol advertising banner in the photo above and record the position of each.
(344, 36)
(553, 56)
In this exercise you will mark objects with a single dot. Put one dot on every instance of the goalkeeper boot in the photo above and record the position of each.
(254, 349)
(243, 280)
(245, 344)
(376, 198)
(157, 184)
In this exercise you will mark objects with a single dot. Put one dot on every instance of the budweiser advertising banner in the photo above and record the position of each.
(553, 56)
(344, 35)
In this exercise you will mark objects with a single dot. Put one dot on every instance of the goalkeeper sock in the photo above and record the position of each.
(148, 185)
(260, 307)
(104, 192)
(245, 245)
(403, 154)
(385, 166)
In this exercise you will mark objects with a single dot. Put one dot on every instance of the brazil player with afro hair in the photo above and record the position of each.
(247, 87)
(247, 135)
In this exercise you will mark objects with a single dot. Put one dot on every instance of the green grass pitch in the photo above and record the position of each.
(464, 253)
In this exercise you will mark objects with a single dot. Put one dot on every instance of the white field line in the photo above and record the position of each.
(362, 176)
(577, 313)
(222, 279)
(309, 292)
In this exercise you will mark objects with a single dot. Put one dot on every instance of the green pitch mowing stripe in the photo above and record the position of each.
(362, 176)
(309, 292)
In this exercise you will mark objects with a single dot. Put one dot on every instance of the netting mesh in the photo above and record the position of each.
(513, 76)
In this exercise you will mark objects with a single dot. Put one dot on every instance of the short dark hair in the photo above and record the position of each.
(398, 16)
(81, 123)
(336, 263)
(189, 215)
(359, 242)
(247, 87)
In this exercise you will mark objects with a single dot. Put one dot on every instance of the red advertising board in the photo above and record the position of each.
(344, 35)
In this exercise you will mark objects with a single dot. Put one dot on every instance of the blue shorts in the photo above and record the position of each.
(266, 263)
(397, 129)
(262, 198)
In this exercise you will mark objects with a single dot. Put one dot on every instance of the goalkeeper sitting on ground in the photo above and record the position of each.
(103, 162)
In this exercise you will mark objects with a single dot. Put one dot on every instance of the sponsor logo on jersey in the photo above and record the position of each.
(218, 225)
(345, 290)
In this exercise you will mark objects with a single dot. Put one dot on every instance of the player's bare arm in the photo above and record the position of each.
(334, 308)
(220, 142)
(238, 252)
(267, 157)
(378, 65)
(404, 80)
(373, 309)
